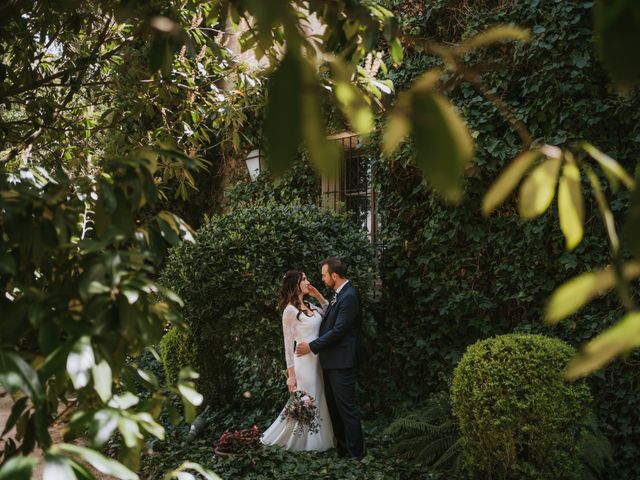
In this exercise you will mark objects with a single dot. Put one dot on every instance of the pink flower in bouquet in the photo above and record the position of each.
(302, 410)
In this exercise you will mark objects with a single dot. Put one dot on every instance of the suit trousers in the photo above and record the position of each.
(340, 390)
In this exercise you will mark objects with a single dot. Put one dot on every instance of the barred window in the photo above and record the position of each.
(352, 190)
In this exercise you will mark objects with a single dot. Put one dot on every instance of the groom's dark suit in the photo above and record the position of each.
(338, 345)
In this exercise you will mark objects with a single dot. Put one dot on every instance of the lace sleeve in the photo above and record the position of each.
(289, 329)
(323, 308)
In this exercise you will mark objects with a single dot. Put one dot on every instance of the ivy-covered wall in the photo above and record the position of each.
(450, 276)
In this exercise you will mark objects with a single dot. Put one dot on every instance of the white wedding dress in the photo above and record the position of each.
(302, 328)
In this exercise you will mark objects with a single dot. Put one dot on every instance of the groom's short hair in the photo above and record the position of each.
(335, 265)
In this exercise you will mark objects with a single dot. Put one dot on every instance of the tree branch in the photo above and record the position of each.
(14, 152)
(83, 64)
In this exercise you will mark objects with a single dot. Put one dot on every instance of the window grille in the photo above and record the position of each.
(352, 190)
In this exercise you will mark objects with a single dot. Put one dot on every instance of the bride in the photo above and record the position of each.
(301, 323)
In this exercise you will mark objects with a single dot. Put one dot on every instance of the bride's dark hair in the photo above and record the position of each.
(290, 291)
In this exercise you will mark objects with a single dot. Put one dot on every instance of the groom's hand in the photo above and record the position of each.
(302, 349)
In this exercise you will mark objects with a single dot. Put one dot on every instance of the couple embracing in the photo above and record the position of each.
(322, 349)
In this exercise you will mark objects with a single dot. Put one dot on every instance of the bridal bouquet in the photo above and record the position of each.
(301, 408)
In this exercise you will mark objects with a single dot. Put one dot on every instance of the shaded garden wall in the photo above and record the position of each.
(450, 276)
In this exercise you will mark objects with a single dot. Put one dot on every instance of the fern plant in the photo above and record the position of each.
(595, 450)
(428, 435)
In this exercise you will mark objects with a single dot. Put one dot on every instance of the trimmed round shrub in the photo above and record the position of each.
(518, 417)
(177, 351)
(230, 278)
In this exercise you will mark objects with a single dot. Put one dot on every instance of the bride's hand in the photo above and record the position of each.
(313, 291)
(292, 384)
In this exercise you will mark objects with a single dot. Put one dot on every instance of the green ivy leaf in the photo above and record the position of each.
(130, 431)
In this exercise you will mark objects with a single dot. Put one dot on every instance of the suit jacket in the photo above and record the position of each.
(338, 343)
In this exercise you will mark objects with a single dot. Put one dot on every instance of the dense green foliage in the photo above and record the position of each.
(518, 417)
(429, 435)
(177, 351)
(230, 279)
(451, 277)
(299, 184)
(88, 87)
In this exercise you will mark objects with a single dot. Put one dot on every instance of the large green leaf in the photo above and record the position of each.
(397, 129)
(508, 180)
(618, 339)
(617, 36)
(325, 154)
(206, 473)
(18, 468)
(397, 52)
(100, 462)
(283, 125)
(7, 263)
(605, 211)
(571, 205)
(577, 292)
(355, 108)
(538, 190)
(612, 169)
(102, 380)
(16, 410)
(630, 233)
(130, 432)
(15, 373)
(497, 34)
(353, 102)
(80, 362)
(443, 143)
(57, 467)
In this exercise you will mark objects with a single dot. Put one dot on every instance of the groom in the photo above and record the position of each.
(339, 345)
